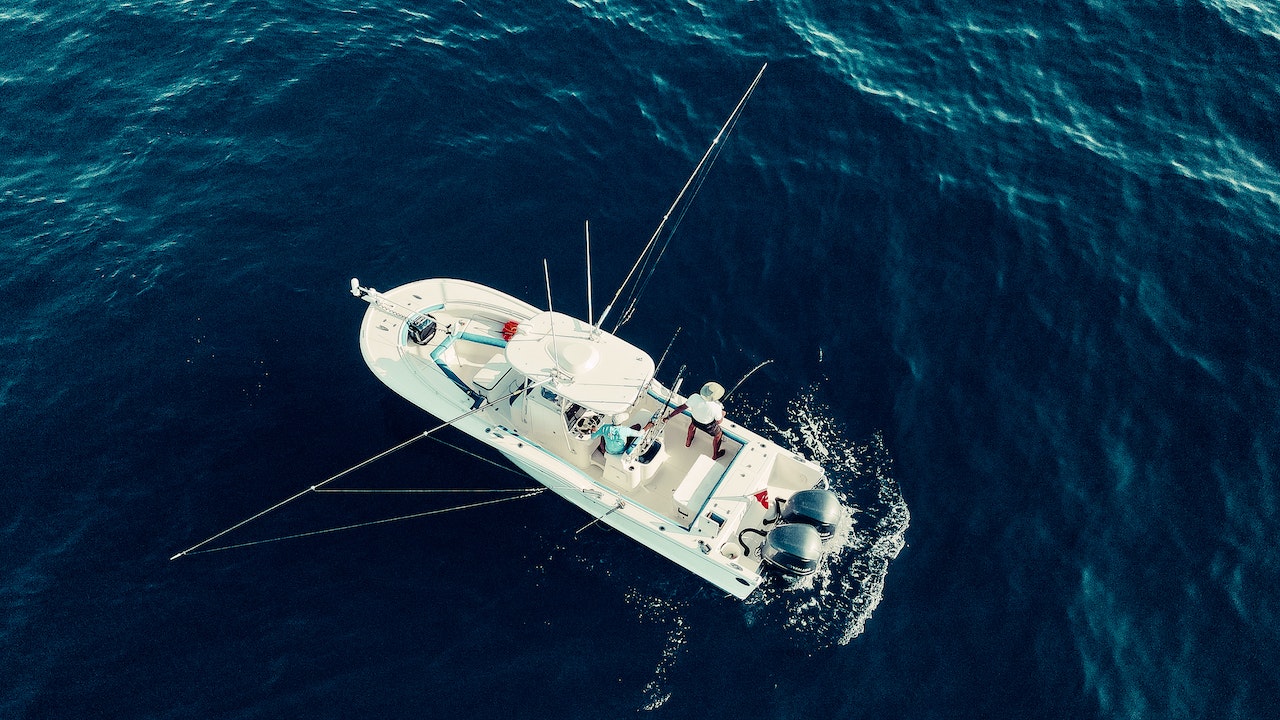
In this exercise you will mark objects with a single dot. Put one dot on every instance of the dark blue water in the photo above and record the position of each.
(1015, 264)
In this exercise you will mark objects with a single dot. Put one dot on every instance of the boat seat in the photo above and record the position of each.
(488, 376)
(696, 486)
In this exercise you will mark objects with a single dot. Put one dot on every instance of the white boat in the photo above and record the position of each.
(536, 385)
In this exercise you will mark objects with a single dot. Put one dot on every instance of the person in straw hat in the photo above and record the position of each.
(706, 412)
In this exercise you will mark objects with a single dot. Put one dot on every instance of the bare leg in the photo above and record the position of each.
(689, 439)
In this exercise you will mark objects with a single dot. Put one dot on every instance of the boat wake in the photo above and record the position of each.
(670, 613)
(830, 607)
(834, 604)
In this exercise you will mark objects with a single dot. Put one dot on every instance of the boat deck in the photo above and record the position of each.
(469, 346)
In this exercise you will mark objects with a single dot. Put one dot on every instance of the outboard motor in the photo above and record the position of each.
(794, 549)
(808, 519)
(819, 508)
(421, 329)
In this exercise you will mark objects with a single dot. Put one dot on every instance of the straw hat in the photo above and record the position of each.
(712, 391)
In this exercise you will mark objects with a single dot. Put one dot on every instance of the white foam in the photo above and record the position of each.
(670, 612)
(834, 604)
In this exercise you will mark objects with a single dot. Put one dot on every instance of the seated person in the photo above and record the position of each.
(617, 435)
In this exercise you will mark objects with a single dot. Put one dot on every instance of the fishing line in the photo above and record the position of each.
(481, 458)
(535, 491)
(353, 468)
(407, 491)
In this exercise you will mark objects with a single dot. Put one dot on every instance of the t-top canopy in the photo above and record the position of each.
(605, 373)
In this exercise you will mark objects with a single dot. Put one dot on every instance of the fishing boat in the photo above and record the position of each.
(539, 387)
(582, 411)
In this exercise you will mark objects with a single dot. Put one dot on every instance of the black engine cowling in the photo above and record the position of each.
(794, 549)
(817, 507)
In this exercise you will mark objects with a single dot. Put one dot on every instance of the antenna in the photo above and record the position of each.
(590, 316)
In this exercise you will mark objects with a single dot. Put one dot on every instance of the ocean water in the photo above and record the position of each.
(1015, 265)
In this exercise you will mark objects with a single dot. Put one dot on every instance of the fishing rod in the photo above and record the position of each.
(666, 404)
(657, 367)
(651, 434)
(353, 468)
(664, 352)
(648, 248)
(750, 372)
(675, 390)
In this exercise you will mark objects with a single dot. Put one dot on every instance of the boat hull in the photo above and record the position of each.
(687, 507)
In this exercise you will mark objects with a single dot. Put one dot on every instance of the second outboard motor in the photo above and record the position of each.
(422, 329)
(818, 508)
(794, 549)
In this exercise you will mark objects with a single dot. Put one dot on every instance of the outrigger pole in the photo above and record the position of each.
(590, 315)
(648, 248)
(546, 273)
(353, 468)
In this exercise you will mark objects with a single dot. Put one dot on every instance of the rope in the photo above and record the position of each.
(363, 524)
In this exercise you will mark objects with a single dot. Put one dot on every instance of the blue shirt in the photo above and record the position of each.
(615, 437)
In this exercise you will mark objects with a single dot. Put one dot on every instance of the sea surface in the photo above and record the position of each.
(1014, 263)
